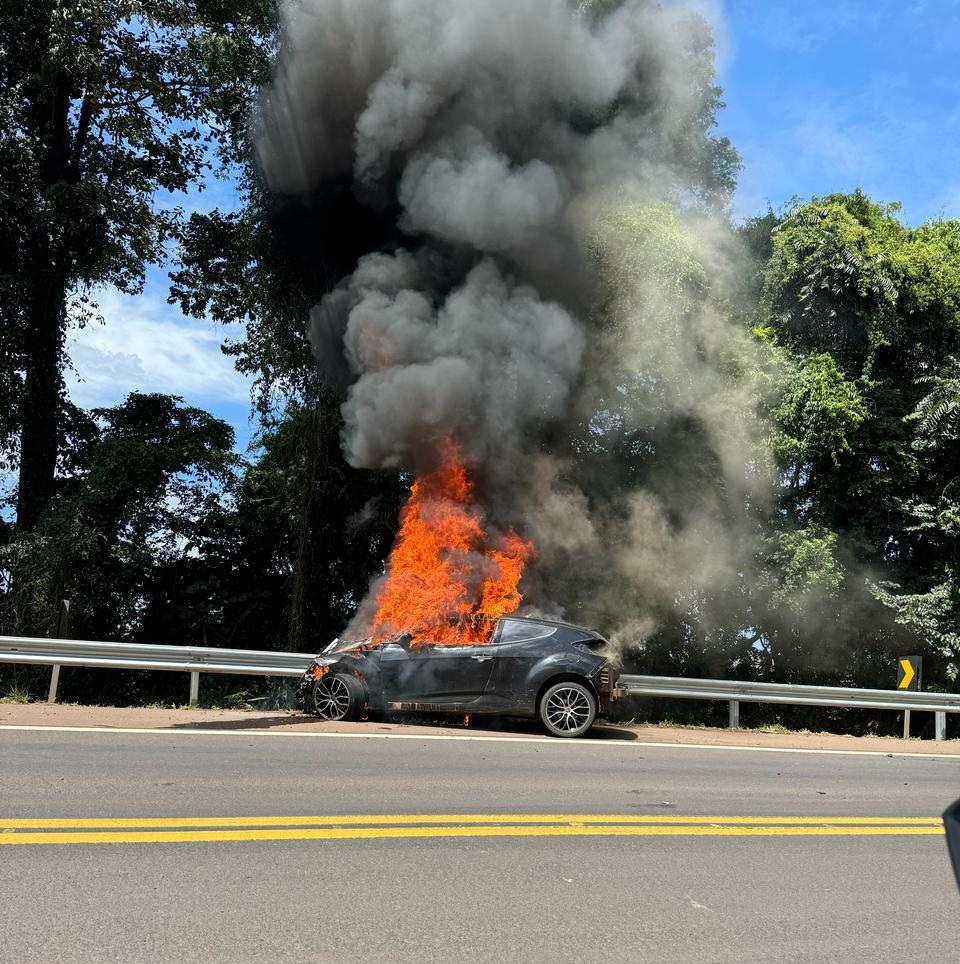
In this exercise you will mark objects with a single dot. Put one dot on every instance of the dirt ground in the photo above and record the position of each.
(108, 717)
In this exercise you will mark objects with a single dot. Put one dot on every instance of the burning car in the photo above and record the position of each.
(529, 668)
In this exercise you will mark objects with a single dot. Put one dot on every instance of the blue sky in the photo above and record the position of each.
(828, 96)
(821, 97)
(147, 345)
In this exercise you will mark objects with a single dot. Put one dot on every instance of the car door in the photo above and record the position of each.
(524, 647)
(427, 673)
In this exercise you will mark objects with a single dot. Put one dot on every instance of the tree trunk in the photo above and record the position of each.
(41, 401)
(46, 298)
(304, 568)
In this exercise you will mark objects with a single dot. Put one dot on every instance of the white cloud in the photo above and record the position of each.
(146, 345)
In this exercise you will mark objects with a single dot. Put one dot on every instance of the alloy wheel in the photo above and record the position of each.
(568, 709)
(331, 698)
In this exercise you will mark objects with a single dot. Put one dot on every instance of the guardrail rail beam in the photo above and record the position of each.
(196, 660)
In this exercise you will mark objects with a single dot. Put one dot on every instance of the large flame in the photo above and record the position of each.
(447, 580)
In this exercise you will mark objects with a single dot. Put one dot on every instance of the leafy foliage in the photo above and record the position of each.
(939, 409)
(866, 313)
(930, 616)
(107, 109)
(150, 472)
(819, 414)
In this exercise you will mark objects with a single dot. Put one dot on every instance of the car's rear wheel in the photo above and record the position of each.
(337, 697)
(568, 709)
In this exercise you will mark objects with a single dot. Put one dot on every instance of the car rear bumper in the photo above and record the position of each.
(607, 684)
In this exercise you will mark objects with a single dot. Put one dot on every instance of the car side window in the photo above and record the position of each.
(524, 630)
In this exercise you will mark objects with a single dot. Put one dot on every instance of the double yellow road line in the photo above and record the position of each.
(98, 830)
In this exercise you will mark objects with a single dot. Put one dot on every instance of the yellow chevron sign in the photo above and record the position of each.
(908, 673)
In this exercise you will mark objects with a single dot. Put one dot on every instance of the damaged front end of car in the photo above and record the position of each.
(337, 685)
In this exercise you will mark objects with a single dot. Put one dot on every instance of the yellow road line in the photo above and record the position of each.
(379, 833)
(122, 823)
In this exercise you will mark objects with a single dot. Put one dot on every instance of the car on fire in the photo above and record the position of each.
(529, 668)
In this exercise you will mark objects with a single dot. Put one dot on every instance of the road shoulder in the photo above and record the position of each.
(152, 718)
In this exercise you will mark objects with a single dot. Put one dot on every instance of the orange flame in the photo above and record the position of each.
(445, 582)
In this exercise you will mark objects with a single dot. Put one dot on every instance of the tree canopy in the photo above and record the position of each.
(108, 110)
(865, 312)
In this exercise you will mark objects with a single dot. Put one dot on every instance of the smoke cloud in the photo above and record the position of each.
(547, 293)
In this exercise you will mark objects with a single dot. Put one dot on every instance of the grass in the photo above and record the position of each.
(16, 696)
(669, 724)
(776, 728)
(231, 702)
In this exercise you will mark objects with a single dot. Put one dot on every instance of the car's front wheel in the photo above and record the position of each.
(568, 709)
(337, 697)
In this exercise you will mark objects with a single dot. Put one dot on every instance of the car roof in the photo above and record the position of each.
(553, 622)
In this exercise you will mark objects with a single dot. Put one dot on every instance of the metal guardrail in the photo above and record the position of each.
(185, 659)
(196, 660)
(735, 693)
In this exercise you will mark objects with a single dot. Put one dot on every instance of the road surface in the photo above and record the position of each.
(242, 847)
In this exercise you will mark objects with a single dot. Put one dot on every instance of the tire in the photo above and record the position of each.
(567, 709)
(337, 696)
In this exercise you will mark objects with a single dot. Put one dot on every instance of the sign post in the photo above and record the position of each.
(909, 670)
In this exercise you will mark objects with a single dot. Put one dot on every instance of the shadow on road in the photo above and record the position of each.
(286, 721)
(295, 722)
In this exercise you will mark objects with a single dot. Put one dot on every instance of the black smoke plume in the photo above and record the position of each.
(501, 176)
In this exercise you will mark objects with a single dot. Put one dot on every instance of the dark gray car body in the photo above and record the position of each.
(503, 677)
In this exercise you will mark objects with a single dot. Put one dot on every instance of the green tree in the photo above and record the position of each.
(143, 478)
(865, 311)
(939, 409)
(107, 109)
(929, 606)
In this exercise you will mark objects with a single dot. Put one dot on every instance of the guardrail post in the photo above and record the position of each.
(906, 724)
(940, 725)
(63, 628)
(734, 714)
(194, 688)
(54, 684)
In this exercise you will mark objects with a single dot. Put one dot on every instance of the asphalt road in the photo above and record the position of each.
(466, 850)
